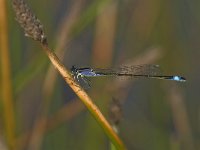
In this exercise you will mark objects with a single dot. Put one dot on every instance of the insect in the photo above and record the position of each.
(145, 71)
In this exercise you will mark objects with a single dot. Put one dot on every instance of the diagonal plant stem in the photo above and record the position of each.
(84, 98)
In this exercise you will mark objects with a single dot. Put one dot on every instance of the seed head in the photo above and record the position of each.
(28, 21)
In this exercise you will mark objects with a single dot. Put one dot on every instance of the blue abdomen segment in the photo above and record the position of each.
(88, 73)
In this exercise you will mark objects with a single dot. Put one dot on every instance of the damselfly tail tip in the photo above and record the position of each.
(179, 78)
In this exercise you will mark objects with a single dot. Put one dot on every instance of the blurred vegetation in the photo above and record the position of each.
(156, 114)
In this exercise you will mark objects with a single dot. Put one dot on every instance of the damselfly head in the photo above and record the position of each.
(73, 69)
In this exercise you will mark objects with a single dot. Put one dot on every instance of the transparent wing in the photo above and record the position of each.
(84, 82)
(141, 70)
(132, 70)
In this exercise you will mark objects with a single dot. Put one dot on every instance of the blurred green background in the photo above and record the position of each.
(104, 33)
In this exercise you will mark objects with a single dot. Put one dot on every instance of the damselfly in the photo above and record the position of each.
(145, 71)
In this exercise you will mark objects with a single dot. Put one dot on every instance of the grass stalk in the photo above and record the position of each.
(6, 83)
(84, 98)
